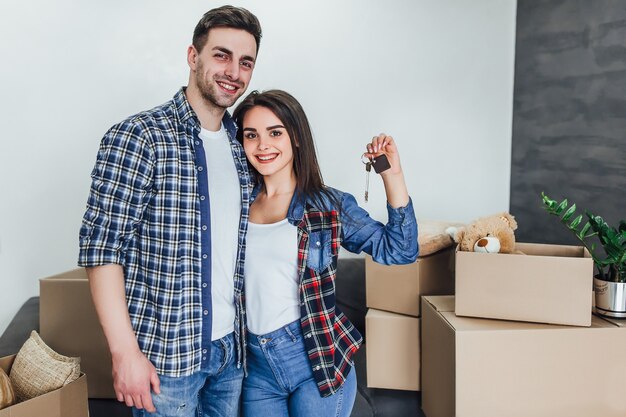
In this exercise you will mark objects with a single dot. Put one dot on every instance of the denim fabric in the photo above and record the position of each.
(394, 243)
(214, 391)
(280, 380)
(324, 224)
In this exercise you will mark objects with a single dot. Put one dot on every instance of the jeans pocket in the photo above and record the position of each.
(320, 254)
(227, 350)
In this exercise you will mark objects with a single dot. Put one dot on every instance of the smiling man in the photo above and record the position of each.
(162, 236)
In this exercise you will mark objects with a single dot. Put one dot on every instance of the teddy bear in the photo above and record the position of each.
(491, 234)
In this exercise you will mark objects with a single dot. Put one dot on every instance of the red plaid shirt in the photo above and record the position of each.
(330, 338)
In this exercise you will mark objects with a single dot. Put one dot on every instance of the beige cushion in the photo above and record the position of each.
(432, 236)
(7, 396)
(38, 369)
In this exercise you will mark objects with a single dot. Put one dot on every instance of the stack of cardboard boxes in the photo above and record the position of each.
(393, 320)
(518, 339)
(490, 352)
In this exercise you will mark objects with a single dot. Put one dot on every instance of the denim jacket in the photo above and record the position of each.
(330, 338)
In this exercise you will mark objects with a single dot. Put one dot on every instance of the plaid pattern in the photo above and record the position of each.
(143, 212)
(330, 338)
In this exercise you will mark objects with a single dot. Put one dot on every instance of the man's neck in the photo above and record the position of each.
(210, 115)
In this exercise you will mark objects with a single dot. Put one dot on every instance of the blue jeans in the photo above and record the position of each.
(211, 392)
(280, 380)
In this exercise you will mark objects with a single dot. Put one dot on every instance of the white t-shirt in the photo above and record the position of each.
(225, 204)
(271, 272)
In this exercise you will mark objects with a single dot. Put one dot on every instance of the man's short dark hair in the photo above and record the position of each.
(226, 17)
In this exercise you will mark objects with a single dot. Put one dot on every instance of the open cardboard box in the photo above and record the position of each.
(68, 401)
(393, 350)
(69, 324)
(547, 284)
(492, 368)
(397, 288)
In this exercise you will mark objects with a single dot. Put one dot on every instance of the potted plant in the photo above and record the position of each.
(610, 282)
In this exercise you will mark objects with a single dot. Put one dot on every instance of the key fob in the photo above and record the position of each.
(381, 163)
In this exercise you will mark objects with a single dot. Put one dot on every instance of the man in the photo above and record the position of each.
(162, 237)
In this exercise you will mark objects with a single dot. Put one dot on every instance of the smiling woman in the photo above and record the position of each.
(267, 145)
(296, 226)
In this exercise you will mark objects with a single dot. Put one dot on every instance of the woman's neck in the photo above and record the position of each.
(274, 186)
(272, 203)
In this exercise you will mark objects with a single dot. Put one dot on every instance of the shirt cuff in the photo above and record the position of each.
(90, 256)
(401, 215)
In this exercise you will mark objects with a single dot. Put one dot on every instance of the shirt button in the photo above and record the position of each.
(200, 168)
(308, 335)
(197, 142)
(204, 285)
(204, 227)
(205, 256)
(206, 312)
(204, 358)
(317, 243)
(202, 197)
(317, 368)
(203, 350)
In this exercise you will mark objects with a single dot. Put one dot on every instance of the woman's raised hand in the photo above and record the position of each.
(385, 145)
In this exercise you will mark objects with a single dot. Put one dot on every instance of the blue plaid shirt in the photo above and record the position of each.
(147, 210)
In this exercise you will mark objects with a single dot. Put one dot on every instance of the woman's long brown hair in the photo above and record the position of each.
(309, 182)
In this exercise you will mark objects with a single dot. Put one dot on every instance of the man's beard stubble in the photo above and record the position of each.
(210, 94)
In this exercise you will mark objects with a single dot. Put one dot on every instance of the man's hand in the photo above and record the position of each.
(133, 376)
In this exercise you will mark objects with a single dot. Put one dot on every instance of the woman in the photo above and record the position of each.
(299, 343)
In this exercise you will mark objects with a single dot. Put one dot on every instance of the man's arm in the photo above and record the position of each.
(133, 373)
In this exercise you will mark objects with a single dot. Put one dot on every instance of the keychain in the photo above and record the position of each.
(380, 164)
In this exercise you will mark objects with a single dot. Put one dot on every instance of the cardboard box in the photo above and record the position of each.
(397, 288)
(69, 324)
(393, 351)
(548, 284)
(68, 401)
(492, 368)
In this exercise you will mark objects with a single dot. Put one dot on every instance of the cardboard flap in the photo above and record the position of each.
(472, 324)
(561, 251)
(73, 400)
(6, 363)
(74, 274)
(440, 302)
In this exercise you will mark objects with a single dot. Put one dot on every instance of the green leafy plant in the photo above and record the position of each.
(613, 240)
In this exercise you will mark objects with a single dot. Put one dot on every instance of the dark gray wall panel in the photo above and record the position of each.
(569, 121)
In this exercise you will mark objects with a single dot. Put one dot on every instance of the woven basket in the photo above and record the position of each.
(38, 369)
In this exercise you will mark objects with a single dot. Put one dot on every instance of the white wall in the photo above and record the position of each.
(436, 74)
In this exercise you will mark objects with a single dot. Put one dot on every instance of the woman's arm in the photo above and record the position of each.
(396, 241)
